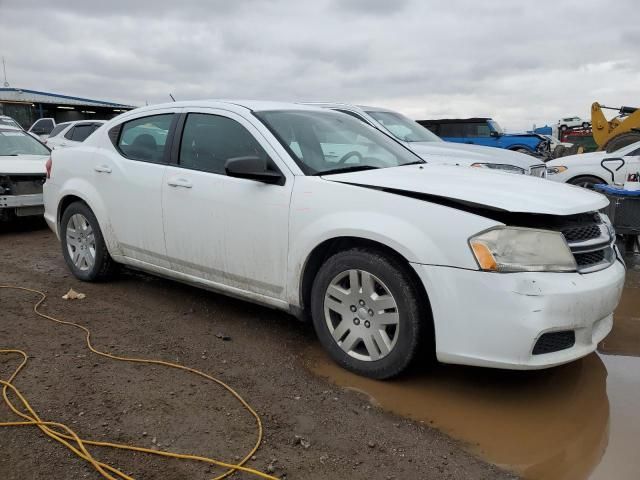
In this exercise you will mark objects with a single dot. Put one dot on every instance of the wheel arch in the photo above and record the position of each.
(575, 177)
(74, 195)
(328, 247)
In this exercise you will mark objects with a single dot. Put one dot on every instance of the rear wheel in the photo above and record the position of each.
(366, 313)
(586, 181)
(563, 128)
(585, 124)
(623, 140)
(83, 245)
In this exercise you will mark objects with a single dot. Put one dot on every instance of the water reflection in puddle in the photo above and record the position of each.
(573, 422)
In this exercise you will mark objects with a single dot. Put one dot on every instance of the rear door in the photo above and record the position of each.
(129, 178)
(224, 230)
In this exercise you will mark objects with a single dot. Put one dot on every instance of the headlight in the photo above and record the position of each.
(515, 249)
(556, 170)
(500, 166)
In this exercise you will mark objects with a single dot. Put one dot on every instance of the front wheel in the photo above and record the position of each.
(366, 313)
(83, 246)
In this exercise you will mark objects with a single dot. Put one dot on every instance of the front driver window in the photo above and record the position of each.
(208, 141)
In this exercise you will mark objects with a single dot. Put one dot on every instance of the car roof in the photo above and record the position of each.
(75, 122)
(348, 106)
(9, 128)
(253, 105)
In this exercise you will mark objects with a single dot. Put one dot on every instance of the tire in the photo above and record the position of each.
(586, 181)
(376, 353)
(585, 125)
(563, 128)
(559, 151)
(80, 232)
(622, 141)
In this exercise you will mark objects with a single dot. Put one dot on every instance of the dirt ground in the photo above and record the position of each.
(263, 359)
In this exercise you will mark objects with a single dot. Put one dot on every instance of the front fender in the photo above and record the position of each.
(420, 231)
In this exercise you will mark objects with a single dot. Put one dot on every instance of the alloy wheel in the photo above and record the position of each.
(361, 315)
(81, 242)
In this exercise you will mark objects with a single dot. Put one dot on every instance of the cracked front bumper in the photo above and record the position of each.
(494, 320)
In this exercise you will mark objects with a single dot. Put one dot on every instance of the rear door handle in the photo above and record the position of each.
(179, 183)
(102, 169)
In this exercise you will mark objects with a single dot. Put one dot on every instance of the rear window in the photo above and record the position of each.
(13, 143)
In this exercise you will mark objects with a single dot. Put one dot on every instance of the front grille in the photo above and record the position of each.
(582, 233)
(538, 171)
(588, 259)
(554, 342)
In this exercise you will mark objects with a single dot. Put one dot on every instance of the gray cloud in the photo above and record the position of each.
(520, 63)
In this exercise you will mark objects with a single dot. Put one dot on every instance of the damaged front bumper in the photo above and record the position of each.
(501, 320)
(21, 195)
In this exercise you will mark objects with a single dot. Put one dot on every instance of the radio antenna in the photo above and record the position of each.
(172, 97)
(4, 69)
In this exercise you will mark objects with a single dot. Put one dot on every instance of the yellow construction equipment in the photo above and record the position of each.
(620, 131)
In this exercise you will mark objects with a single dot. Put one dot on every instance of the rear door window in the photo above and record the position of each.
(145, 138)
(451, 130)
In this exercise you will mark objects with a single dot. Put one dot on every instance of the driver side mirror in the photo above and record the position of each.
(494, 134)
(253, 168)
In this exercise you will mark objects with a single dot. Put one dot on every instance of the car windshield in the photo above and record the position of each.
(324, 142)
(495, 127)
(13, 143)
(10, 122)
(404, 128)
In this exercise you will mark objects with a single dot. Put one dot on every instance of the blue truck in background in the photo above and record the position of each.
(487, 132)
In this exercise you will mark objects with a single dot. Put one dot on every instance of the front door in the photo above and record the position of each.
(226, 231)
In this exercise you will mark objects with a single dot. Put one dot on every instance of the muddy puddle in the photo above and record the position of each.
(574, 422)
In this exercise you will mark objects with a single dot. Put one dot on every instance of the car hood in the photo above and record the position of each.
(23, 164)
(466, 154)
(479, 187)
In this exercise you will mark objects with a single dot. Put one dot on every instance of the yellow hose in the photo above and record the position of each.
(67, 437)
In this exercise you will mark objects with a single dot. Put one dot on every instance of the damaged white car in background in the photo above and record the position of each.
(22, 173)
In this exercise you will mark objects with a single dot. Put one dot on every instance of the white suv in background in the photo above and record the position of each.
(433, 149)
(68, 134)
(572, 122)
(315, 213)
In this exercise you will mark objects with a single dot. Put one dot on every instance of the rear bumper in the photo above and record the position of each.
(495, 320)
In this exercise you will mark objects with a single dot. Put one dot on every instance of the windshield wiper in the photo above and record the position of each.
(352, 168)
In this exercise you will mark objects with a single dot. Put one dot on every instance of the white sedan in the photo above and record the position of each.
(69, 134)
(387, 255)
(588, 169)
(22, 173)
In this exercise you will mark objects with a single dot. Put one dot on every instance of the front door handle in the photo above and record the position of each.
(180, 183)
(102, 169)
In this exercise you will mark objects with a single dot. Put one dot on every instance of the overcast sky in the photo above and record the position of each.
(520, 63)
